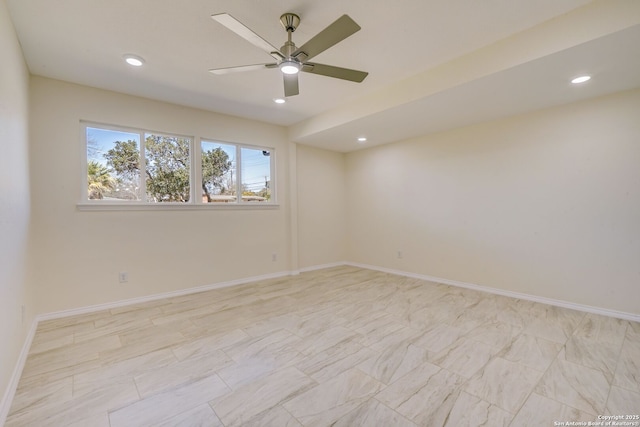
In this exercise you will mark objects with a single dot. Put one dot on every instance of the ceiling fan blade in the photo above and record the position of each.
(336, 72)
(290, 84)
(243, 31)
(229, 70)
(341, 28)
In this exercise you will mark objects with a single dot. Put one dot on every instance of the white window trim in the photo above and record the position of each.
(195, 176)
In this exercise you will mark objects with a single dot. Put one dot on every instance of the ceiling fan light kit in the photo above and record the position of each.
(292, 59)
(290, 67)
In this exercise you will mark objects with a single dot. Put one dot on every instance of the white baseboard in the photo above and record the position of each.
(154, 297)
(181, 292)
(322, 266)
(543, 300)
(10, 392)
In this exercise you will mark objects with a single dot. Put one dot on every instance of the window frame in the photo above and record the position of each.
(195, 174)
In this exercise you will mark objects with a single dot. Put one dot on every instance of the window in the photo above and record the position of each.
(135, 167)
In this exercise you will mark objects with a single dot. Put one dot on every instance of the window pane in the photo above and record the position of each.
(113, 161)
(218, 172)
(256, 175)
(167, 168)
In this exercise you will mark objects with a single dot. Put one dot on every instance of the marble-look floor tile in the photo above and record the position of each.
(516, 312)
(623, 401)
(327, 402)
(311, 325)
(326, 339)
(541, 411)
(395, 362)
(465, 357)
(243, 404)
(362, 315)
(439, 337)
(585, 352)
(165, 335)
(602, 330)
(375, 330)
(121, 372)
(146, 342)
(400, 337)
(248, 351)
(208, 344)
(262, 327)
(504, 383)
(429, 316)
(273, 417)
(495, 333)
(330, 363)
(552, 323)
(398, 392)
(68, 356)
(424, 402)
(43, 395)
(250, 369)
(114, 325)
(77, 409)
(71, 323)
(264, 346)
(162, 406)
(373, 413)
(531, 351)
(200, 416)
(466, 322)
(471, 411)
(177, 373)
(575, 385)
(96, 420)
(42, 345)
(627, 373)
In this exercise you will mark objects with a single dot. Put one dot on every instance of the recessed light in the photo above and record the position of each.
(362, 139)
(134, 60)
(279, 100)
(580, 79)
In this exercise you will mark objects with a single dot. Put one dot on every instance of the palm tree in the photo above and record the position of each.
(99, 180)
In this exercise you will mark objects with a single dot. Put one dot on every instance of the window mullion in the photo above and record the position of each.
(238, 175)
(196, 171)
(143, 170)
(272, 170)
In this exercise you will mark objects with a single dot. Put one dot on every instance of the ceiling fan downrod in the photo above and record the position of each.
(290, 22)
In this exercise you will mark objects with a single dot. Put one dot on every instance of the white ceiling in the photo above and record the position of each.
(433, 64)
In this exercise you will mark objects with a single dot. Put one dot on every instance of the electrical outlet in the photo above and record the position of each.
(399, 255)
(274, 257)
(123, 277)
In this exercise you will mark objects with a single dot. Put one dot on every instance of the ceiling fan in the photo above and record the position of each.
(292, 59)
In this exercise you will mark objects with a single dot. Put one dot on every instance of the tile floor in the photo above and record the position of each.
(341, 346)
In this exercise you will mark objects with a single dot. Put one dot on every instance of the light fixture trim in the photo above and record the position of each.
(279, 100)
(290, 67)
(133, 60)
(580, 79)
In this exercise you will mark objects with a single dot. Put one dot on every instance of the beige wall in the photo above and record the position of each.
(546, 204)
(79, 253)
(15, 209)
(321, 206)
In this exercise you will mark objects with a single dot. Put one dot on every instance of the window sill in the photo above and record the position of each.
(102, 206)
